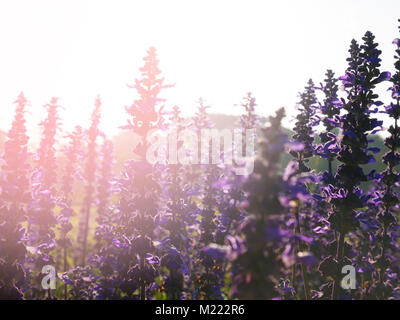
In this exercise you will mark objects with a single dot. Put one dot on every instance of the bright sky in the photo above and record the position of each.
(218, 50)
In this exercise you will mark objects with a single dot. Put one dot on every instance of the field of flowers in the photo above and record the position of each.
(168, 229)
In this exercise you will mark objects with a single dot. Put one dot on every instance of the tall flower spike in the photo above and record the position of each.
(104, 191)
(90, 180)
(360, 79)
(14, 194)
(330, 110)
(146, 111)
(46, 154)
(254, 254)
(74, 155)
(304, 136)
(176, 244)
(389, 198)
(42, 217)
(302, 151)
(146, 114)
(16, 167)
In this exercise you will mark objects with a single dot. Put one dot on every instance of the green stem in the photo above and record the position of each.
(303, 266)
(339, 257)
